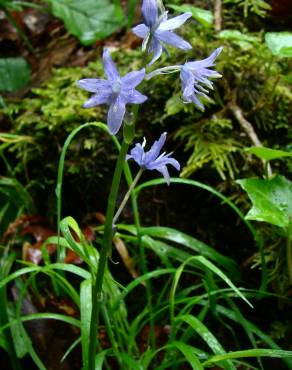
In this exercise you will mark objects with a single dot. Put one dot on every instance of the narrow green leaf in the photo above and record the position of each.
(70, 349)
(254, 329)
(138, 281)
(192, 243)
(3, 342)
(197, 184)
(129, 362)
(99, 359)
(207, 336)
(218, 272)
(250, 353)
(85, 313)
(190, 354)
(54, 266)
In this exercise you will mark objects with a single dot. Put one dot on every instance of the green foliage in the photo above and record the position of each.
(259, 7)
(85, 20)
(14, 74)
(209, 143)
(280, 43)
(268, 154)
(204, 17)
(271, 200)
(14, 200)
(240, 39)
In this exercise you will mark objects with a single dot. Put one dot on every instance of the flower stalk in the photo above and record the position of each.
(97, 297)
(127, 196)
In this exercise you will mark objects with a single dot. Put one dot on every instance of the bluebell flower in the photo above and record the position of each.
(153, 160)
(195, 78)
(116, 91)
(157, 29)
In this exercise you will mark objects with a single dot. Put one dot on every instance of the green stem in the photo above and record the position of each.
(127, 196)
(104, 253)
(289, 252)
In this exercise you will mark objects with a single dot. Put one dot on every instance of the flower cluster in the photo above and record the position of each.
(117, 92)
(157, 29)
(153, 160)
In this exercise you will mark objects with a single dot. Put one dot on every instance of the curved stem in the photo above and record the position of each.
(105, 251)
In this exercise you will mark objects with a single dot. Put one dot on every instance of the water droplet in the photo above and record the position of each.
(100, 297)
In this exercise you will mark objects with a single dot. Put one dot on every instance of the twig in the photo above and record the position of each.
(218, 15)
(249, 130)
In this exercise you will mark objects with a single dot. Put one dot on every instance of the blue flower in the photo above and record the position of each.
(153, 160)
(157, 29)
(116, 91)
(195, 78)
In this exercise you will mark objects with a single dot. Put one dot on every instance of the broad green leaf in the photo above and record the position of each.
(244, 41)
(279, 43)
(271, 200)
(268, 154)
(89, 20)
(14, 74)
(205, 17)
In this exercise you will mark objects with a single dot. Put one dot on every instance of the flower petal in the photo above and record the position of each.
(197, 102)
(133, 97)
(93, 84)
(207, 62)
(115, 115)
(154, 151)
(97, 99)
(156, 49)
(141, 30)
(137, 154)
(164, 160)
(187, 80)
(132, 79)
(109, 66)
(176, 22)
(150, 12)
(164, 171)
(172, 39)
